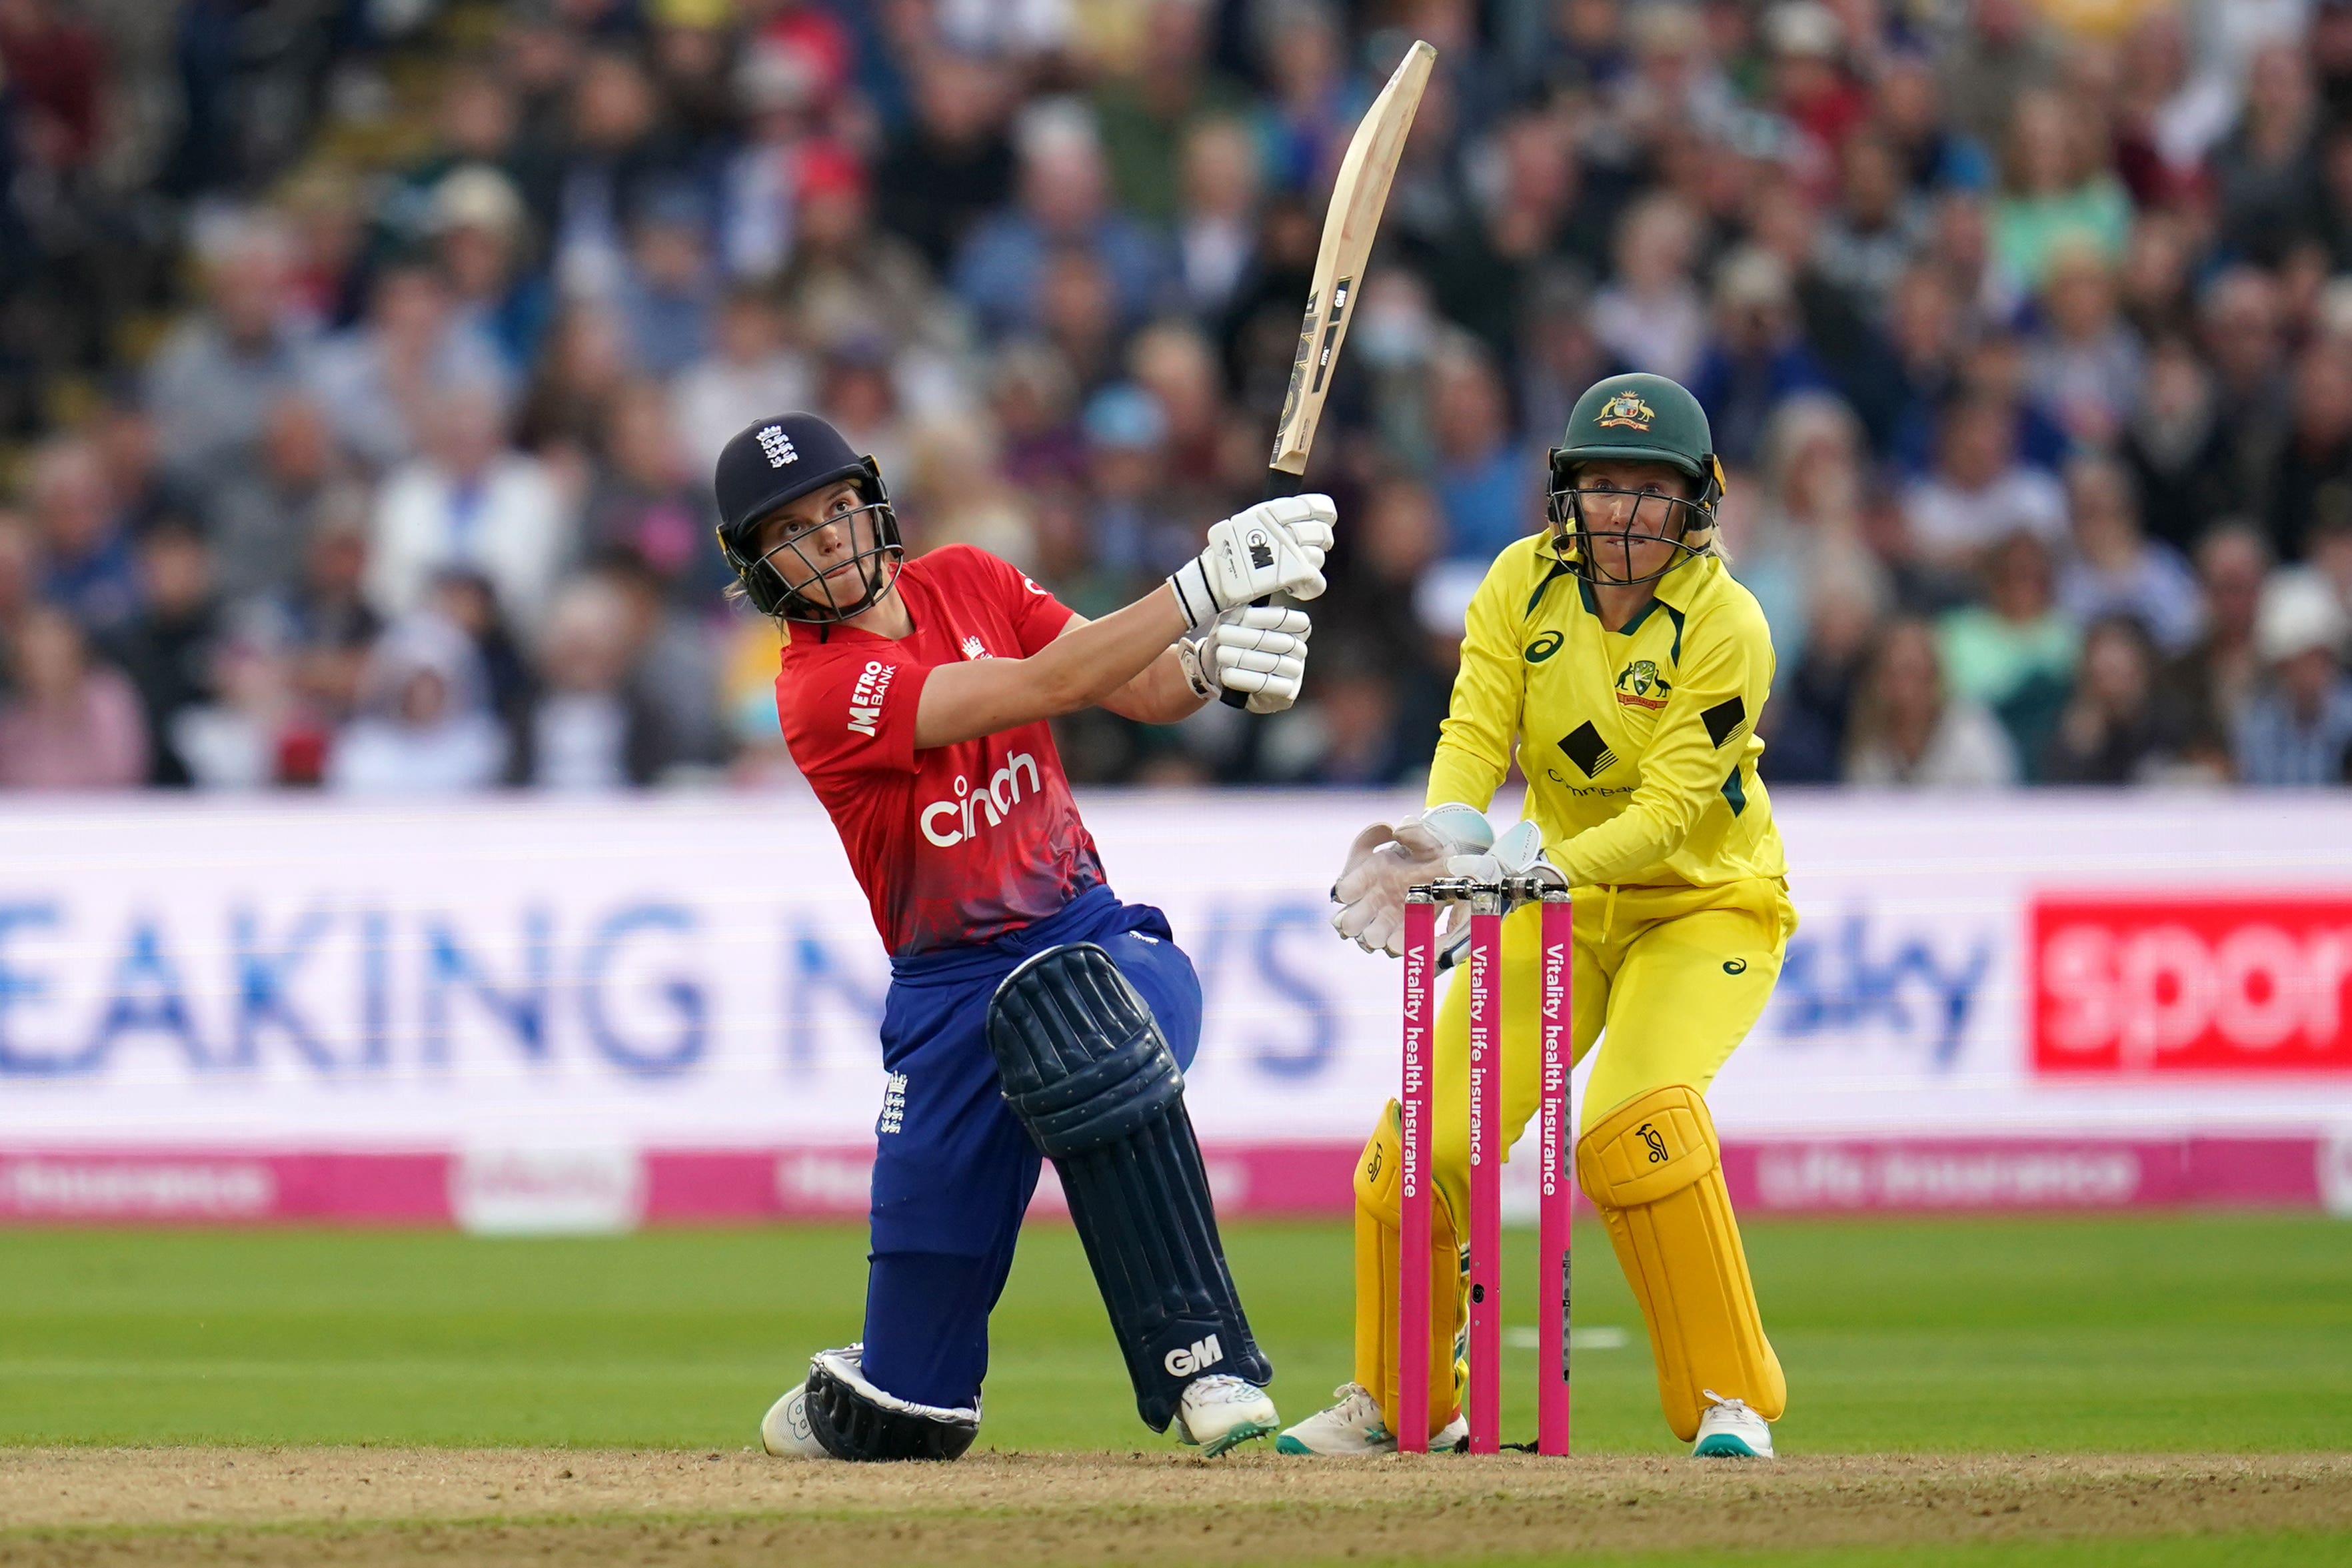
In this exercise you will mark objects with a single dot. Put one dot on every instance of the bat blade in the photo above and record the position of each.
(1358, 196)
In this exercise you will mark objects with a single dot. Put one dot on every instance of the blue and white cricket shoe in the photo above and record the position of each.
(1351, 1424)
(784, 1429)
(1729, 1430)
(1219, 1411)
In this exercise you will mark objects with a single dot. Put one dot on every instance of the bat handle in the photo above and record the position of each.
(1279, 482)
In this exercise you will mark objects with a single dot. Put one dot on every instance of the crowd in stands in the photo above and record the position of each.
(362, 362)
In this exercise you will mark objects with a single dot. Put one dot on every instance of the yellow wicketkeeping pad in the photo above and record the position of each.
(1653, 1169)
(1379, 1248)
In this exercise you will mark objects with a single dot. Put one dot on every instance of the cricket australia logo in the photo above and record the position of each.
(1197, 1357)
(777, 445)
(1627, 411)
(1639, 684)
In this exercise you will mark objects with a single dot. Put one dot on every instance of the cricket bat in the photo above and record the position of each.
(1353, 218)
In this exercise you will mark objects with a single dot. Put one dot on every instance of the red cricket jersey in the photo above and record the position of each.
(958, 843)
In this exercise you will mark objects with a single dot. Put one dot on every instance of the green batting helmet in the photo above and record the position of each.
(1642, 419)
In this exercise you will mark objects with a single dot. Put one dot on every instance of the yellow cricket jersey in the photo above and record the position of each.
(1639, 746)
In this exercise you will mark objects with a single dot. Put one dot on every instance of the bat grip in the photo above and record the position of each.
(1279, 482)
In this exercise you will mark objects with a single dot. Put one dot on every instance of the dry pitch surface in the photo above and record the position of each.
(365, 1506)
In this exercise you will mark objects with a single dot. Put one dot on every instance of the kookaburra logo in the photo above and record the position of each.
(777, 445)
(1648, 1135)
(1198, 1356)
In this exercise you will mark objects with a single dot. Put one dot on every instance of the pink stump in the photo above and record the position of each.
(1485, 1179)
(1413, 1244)
(1557, 1183)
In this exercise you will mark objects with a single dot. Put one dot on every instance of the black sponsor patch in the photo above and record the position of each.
(1724, 719)
(1588, 751)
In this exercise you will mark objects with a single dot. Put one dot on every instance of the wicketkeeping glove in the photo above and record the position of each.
(1275, 547)
(1257, 649)
(1384, 863)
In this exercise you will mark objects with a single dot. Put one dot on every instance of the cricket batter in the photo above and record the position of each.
(1618, 655)
(1030, 1011)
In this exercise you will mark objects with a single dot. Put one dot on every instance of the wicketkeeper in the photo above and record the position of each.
(1627, 668)
(1031, 1012)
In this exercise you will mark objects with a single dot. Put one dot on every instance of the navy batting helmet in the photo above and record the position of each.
(777, 461)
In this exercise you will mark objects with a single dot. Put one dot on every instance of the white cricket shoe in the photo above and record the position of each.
(1219, 1411)
(1352, 1426)
(1729, 1430)
(784, 1429)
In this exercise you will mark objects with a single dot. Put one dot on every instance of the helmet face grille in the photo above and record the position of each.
(776, 580)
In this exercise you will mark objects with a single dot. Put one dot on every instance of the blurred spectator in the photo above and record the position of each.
(379, 381)
(750, 371)
(2313, 479)
(2005, 50)
(646, 500)
(252, 733)
(1979, 493)
(1216, 227)
(1650, 316)
(1908, 729)
(2175, 449)
(1806, 522)
(1065, 207)
(215, 377)
(67, 722)
(1479, 476)
(586, 360)
(167, 649)
(1152, 112)
(89, 569)
(2267, 173)
(425, 727)
(481, 237)
(1131, 524)
(2113, 730)
(953, 165)
(2297, 729)
(620, 153)
(1806, 729)
(666, 292)
(2055, 190)
(587, 731)
(1875, 231)
(1757, 358)
(260, 511)
(469, 500)
(2115, 570)
(324, 618)
(2086, 365)
(2015, 652)
(847, 279)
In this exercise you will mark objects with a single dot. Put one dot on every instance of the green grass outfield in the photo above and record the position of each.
(2208, 1334)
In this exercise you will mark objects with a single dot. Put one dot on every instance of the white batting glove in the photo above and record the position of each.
(1259, 651)
(1275, 547)
(1384, 863)
(1519, 853)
